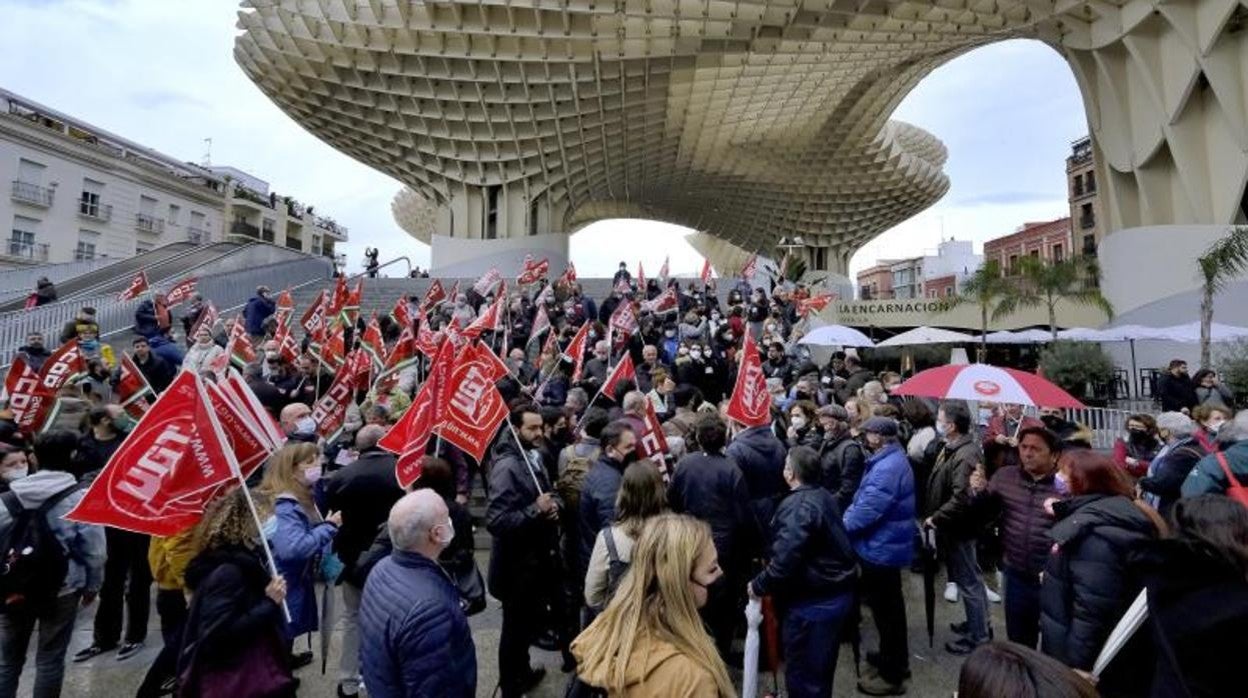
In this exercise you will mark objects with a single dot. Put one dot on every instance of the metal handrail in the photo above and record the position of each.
(95, 289)
(404, 258)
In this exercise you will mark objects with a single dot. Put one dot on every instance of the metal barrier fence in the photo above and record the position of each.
(1105, 423)
(227, 290)
(18, 283)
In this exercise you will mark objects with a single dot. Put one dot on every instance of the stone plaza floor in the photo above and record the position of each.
(934, 671)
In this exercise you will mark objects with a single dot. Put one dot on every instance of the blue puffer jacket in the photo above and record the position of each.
(414, 638)
(297, 544)
(256, 312)
(880, 521)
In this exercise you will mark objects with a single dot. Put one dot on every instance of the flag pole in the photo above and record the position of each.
(524, 457)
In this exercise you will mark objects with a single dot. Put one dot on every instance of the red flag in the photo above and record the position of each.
(239, 347)
(435, 294)
(313, 320)
(624, 319)
(287, 347)
(330, 410)
(751, 403)
(162, 475)
(285, 305)
(705, 276)
(242, 396)
(250, 448)
(488, 321)
(372, 342)
(62, 367)
(402, 313)
(410, 435)
(576, 351)
(350, 310)
(334, 351)
(815, 304)
(488, 281)
(541, 323)
(180, 293)
(641, 275)
(338, 298)
(207, 318)
(426, 342)
(652, 443)
(551, 346)
(402, 354)
(497, 369)
(623, 371)
(533, 270)
(137, 287)
(132, 388)
(664, 271)
(568, 276)
(22, 386)
(622, 287)
(454, 292)
(662, 303)
(473, 409)
(360, 365)
(751, 266)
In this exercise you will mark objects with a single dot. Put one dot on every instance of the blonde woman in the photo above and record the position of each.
(296, 532)
(650, 641)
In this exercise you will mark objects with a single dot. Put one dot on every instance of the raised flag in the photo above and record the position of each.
(623, 371)
(409, 437)
(622, 287)
(337, 298)
(814, 304)
(551, 346)
(21, 384)
(541, 323)
(750, 267)
(576, 351)
(473, 409)
(165, 471)
(373, 344)
(487, 321)
(546, 296)
(568, 276)
(533, 271)
(434, 295)
(652, 442)
(330, 410)
(402, 313)
(138, 286)
(207, 318)
(750, 403)
(313, 320)
(132, 387)
(251, 448)
(641, 276)
(285, 305)
(181, 292)
(62, 367)
(454, 292)
(705, 274)
(624, 319)
(360, 364)
(350, 310)
(426, 341)
(662, 303)
(402, 355)
(664, 271)
(488, 281)
(334, 351)
(239, 347)
(287, 347)
(243, 396)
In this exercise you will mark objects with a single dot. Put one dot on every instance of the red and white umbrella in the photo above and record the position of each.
(984, 382)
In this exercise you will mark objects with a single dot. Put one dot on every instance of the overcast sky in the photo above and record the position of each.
(162, 73)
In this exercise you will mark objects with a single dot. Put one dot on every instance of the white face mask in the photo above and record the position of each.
(798, 422)
(942, 428)
(311, 475)
(14, 473)
(446, 538)
(305, 425)
(696, 353)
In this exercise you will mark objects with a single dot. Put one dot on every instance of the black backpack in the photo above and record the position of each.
(34, 562)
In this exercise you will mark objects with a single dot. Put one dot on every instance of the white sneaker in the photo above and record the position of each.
(951, 592)
(993, 596)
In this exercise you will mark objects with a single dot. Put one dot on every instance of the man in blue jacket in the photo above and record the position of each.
(257, 310)
(618, 444)
(881, 526)
(414, 635)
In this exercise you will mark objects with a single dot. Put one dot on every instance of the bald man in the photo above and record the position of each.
(296, 422)
(363, 491)
(415, 636)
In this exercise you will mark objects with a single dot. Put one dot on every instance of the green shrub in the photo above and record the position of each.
(1073, 365)
(1231, 363)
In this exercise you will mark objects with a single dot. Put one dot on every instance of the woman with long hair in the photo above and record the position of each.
(1087, 586)
(1197, 585)
(1134, 450)
(641, 497)
(650, 640)
(296, 532)
(233, 645)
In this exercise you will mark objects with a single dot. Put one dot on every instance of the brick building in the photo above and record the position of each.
(1049, 241)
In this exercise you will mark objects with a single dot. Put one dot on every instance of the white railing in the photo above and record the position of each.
(1105, 423)
(32, 194)
(34, 251)
(225, 290)
(17, 283)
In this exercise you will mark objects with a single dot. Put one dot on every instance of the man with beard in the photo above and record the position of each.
(33, 352)
(1175, 388)
(156, 370)
(522, 516)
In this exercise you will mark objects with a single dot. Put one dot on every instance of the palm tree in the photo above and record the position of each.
(1223, 261)
(1043, 284)
(987, 289)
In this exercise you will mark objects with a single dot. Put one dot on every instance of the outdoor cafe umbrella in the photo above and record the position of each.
(985, 382)
(836, 335)
(926, 335)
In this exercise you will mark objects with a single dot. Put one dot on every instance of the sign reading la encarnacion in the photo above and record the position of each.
(943, 312)
(917, 311)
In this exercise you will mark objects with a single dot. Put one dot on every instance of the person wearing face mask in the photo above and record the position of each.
(880, 524)
(693, 329)
(296, 532)
(1208, 421)
(1210, 474)
(102, 438)
(810, 573)
(204, 354)
(840, 455)
(297, 424)
(618, 443)
(416, 639)
(33, 352)
(597, 367)
(13, 465)
(757, 313)
(1163, 484)
(1134, 450)
(803, 429)
(670, 345)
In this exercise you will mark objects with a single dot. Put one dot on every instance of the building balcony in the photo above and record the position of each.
(1087, 222)
(145, 223)
(268, 235)
(29, 251)
(330, 227)
(102, 213)
(294, 243)
(198, 236)
(32, 194)
(244, 228)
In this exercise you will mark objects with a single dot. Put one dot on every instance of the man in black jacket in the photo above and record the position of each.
(157, 371)
(841, 456)
(364, 492)
(810, 574)
(522, 516)
(1175, 389)
(710, 487)
(949, 511)
(618, 444)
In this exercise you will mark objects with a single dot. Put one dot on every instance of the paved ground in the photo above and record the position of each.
(935, 672)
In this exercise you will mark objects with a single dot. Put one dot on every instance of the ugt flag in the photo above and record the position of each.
(751, 403)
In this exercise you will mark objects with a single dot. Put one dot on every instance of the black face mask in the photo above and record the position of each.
(1053, 422)
(1140, 438)
(629, 458)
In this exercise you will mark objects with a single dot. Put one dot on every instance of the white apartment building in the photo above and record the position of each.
(78, 192)
(954, 258)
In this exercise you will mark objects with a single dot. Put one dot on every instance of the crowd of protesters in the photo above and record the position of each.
(637, 570)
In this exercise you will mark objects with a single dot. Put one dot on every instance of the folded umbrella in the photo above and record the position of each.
(927, 557)
(749, 672)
